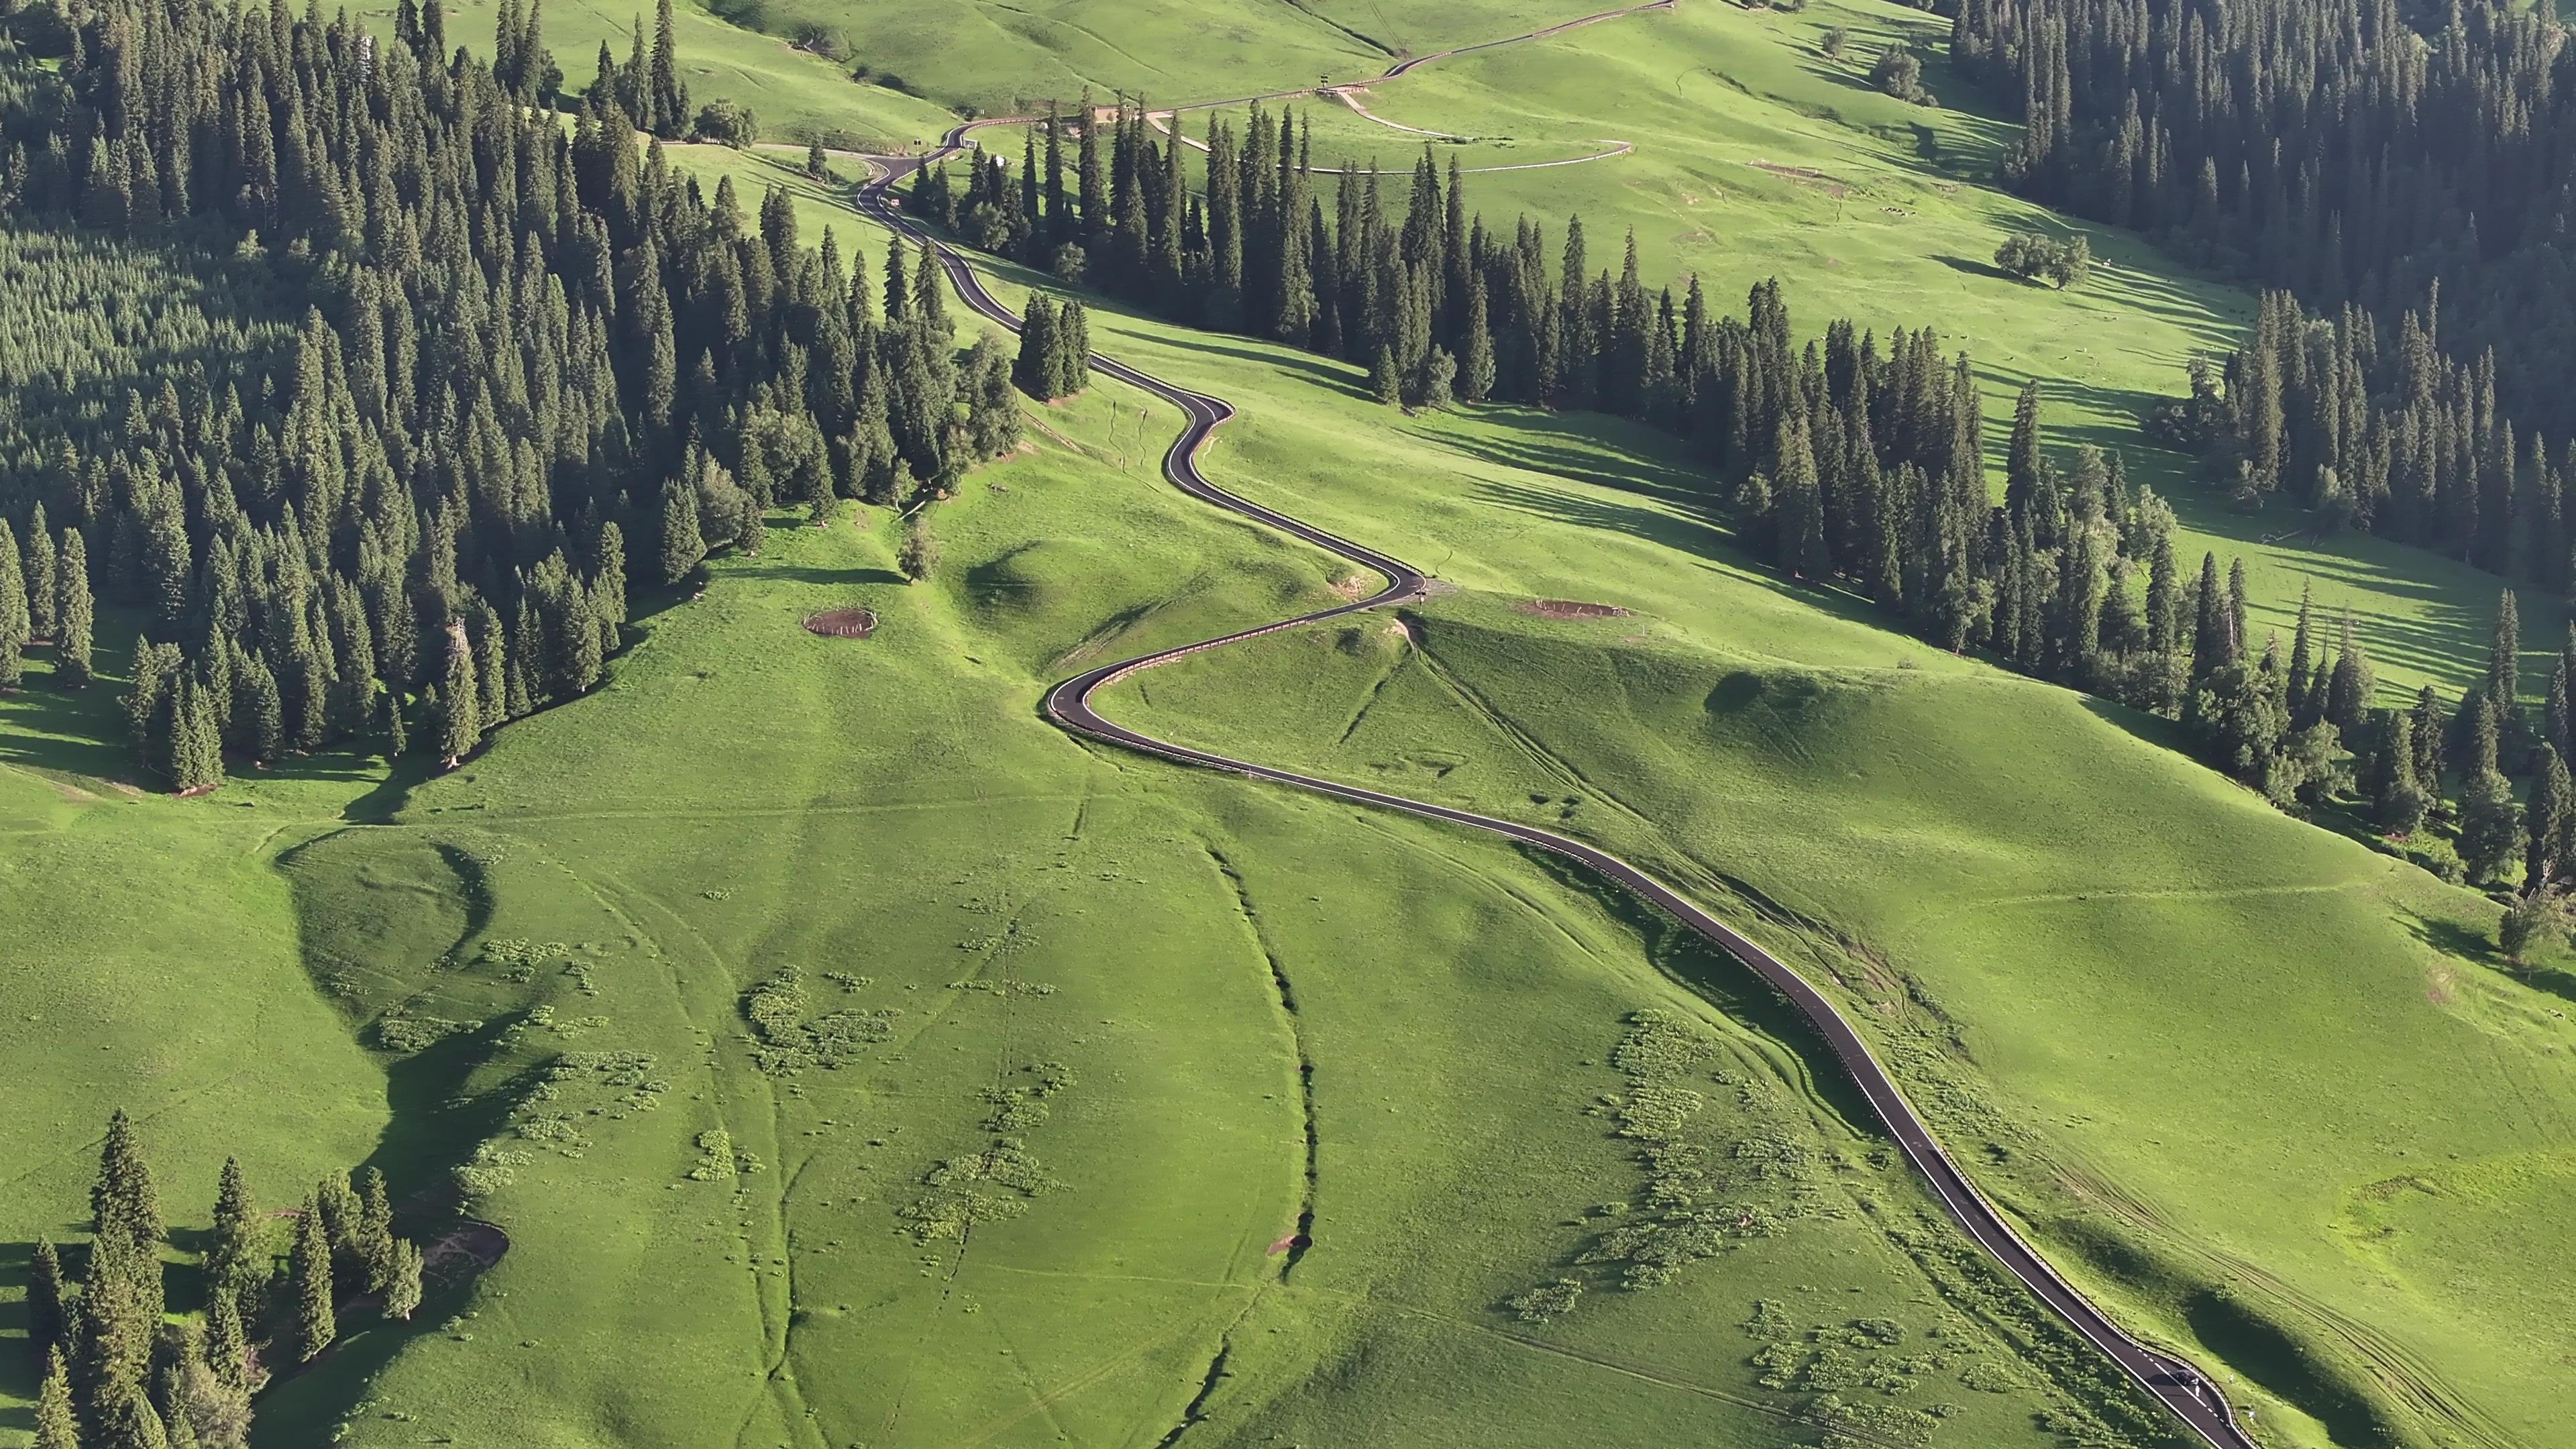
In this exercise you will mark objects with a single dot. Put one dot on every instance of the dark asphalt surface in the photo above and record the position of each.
(2178, 1385)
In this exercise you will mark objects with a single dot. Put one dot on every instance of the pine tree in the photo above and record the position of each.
(2490, 825)
(2303, 655)
(47, 1302)
(1476, 362)
(667, 97)
(44, 592)
(2548, 822)
(313, 1326)
(2400, 803)
(461, 701)
(683, 547)
(2504, 655)
(2213, 638)
(135, 1424)
(74, 613)
(1041, 355)
(1073, 349)
(2426, 724)
(57, 1426)
(227, 1347)
(1801, 542)
(15, 629)
(234, 1261)
(402, 1281)
(124, 1207)
(374, 1237)
(1383, 382)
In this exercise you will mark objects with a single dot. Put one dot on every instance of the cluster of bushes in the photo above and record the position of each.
(2030, 255)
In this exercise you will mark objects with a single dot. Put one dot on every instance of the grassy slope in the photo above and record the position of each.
(744, 799)
(2138, 991)
(794, 94)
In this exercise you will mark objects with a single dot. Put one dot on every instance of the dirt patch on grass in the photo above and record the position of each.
(842, 623)
(1804, 176)
(1352, 589)
(1571, 609)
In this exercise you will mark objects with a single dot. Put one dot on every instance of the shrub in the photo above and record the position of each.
(1899, 72)
(2030, 255)
(727, 124)
(1835, 40)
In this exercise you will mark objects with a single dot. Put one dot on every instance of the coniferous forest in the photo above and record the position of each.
(444, 379)
(445, 373)
(116, 1370)
(2392, 171)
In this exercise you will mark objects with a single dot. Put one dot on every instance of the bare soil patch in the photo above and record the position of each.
(1571, 609)
(842, 623)
(1806, 176)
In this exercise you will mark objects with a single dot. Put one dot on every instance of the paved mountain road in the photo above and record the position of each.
(2177, 1384)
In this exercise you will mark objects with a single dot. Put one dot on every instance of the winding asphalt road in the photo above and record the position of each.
(2177, 1384)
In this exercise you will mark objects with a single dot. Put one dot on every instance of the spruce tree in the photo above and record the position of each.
(15, 627)
(2400, 803)
(1801, 543)
(667, 98)
(47, 1301)
(682, 544)
(1040, 357)
(57, 1425)
(44, 591)
(137, 1424)
(311, 1326)
(460, 700)
(124, 1207)
(2490, 825)
(2213, 639)
(2504, 656)
(227, 1347)
(2426, 728)
(1384, 385)
(235, 1262)
(1476, 361)
(1073, 349)
(74, 613)
(402, 1280)
(2548, 822)
(375, 1229)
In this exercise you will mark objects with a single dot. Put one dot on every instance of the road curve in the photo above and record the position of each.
(2177, 1384)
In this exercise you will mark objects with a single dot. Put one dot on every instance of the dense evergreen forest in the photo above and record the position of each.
(1842, 463)
(446, 374)
(2400, 170)
(117, 1371)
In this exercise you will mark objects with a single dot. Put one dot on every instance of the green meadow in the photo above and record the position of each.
(852, 1058)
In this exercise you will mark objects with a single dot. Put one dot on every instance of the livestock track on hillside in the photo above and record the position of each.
(2180, 1386)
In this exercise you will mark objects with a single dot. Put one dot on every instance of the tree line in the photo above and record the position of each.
(527, 363)
(116, 1371)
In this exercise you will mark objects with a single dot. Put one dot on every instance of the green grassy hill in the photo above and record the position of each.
(852, 1058)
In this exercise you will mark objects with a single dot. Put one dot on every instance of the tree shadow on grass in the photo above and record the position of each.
(1975, 268)
(1316, 368)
